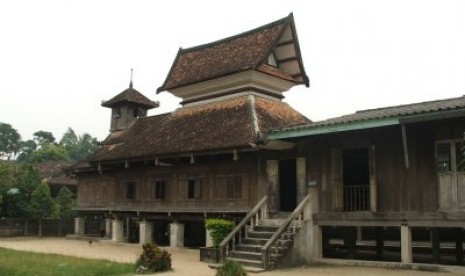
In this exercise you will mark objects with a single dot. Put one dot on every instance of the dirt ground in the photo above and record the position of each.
(185, 261)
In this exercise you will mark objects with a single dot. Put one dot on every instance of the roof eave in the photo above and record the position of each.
(309, 130)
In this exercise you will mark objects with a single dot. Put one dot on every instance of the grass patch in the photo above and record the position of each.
(21, 263)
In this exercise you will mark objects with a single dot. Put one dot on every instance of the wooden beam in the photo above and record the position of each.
(296, 75)
(284, 60)
(285, 43)
(405, 145)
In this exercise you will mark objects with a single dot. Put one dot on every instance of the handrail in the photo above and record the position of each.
(295, 214)
(254, 212)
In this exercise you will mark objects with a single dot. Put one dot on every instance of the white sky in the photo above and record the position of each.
(59, 59)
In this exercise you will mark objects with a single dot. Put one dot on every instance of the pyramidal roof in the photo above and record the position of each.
(271, 49)
(131, 95)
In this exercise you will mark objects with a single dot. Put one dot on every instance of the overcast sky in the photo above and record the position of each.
(60, 59)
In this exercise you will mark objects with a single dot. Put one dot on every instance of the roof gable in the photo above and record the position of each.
(275, 45)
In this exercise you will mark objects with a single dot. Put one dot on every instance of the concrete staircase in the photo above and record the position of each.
(262, 239)
(249, 250)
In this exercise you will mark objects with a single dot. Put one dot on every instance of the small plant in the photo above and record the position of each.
(219, 229)
(153, 259)
(231, 268)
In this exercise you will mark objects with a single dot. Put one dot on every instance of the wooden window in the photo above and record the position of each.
(443, 158)
(117, 112)
(131, 190)
(230, 186)
(159, 189)
(234, 186)
(194, 188)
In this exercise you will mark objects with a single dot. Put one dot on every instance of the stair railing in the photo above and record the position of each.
(260, 211)
(292, 223)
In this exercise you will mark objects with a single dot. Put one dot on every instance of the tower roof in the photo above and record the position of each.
(271, 49)
(131, 95)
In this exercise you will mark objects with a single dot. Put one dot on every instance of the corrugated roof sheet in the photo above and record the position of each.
(385, 113)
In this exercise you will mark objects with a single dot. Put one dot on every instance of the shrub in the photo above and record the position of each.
(231, 268)
(153, 259)
(219, 229)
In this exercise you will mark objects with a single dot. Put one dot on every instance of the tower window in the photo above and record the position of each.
(116, 112)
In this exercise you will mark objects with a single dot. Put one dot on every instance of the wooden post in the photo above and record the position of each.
(301, 170)
(272, 182)
(379, 243)
(406, 244)
(350, 241)
(459, 247)
(435, 245)
(325, 236)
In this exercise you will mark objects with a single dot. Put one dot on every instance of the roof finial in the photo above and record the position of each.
(130, 83)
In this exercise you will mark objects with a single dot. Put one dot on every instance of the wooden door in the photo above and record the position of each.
(272, 184)
(450, 165)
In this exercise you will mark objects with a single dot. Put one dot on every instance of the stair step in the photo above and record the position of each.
(265, 228)
(245, 262)
(260, 234)
(249, 269)
(254, 241)
(249, 248)
(245, 255)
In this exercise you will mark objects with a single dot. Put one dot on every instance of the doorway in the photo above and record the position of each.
(287, 185)
(356, 179)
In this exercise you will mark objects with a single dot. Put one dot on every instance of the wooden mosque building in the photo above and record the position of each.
(382, 185)
(205, 159)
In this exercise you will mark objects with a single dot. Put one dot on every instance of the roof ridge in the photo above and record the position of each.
(402, 105)
(227, 39)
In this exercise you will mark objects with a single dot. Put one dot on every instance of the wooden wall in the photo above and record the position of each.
(399, 189)
(108, 190)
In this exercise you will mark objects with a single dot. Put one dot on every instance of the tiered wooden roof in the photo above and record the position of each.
(230, 124)
(272, 49)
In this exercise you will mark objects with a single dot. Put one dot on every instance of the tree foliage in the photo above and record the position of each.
(10, 141)
(42, 203)
(219, 229)
(43, 138)
(78, 147)
(17, 182)
(65, 202)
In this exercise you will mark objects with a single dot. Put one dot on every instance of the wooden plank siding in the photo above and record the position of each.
(108, 191)
(399, 189)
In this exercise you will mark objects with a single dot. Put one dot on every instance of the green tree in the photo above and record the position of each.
(78, 147)
(42, 203)
(27, 148)
(22, 181)
(65, 202)
(43, 137)
(69, 139)
(48, 152)
(9, 141)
